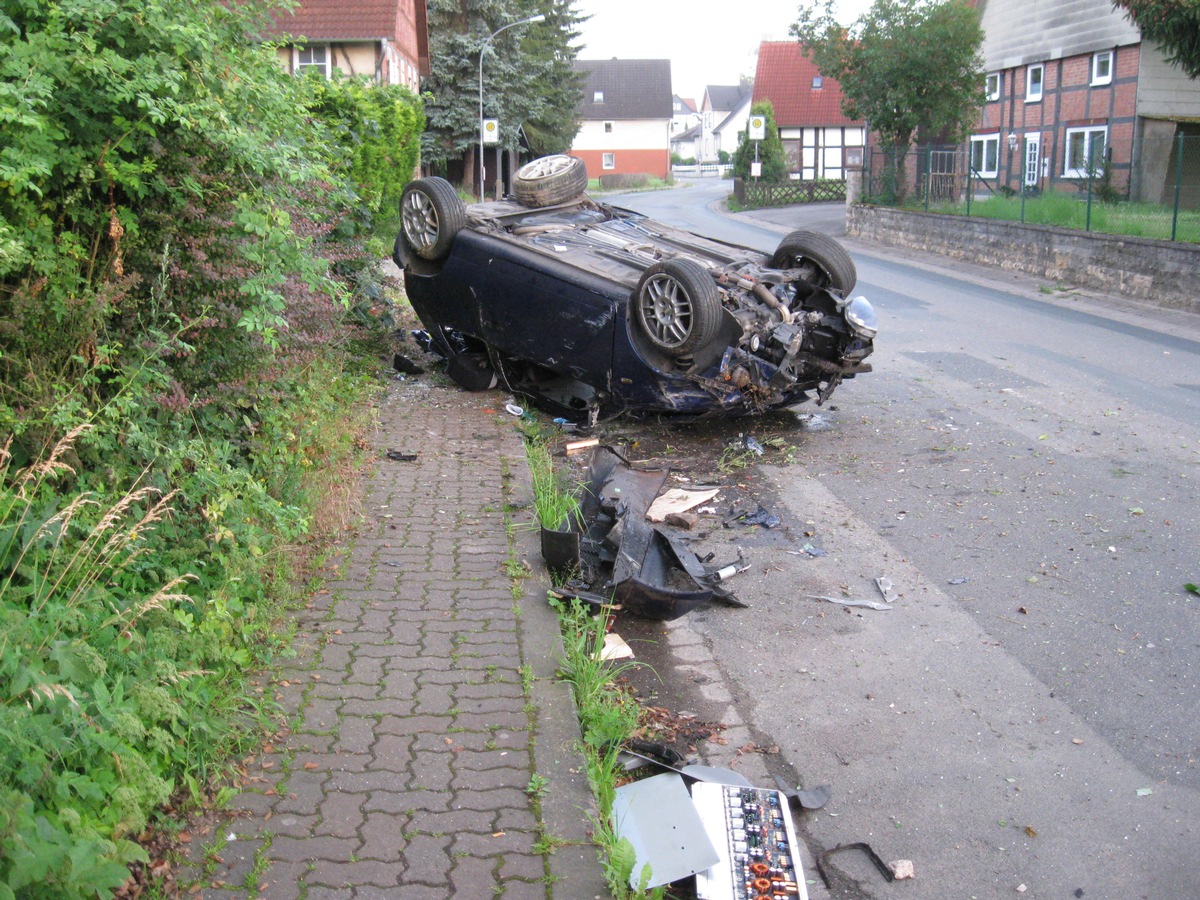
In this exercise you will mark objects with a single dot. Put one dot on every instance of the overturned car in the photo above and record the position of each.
(593, 310)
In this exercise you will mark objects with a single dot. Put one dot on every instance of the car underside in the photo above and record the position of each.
(592, 310)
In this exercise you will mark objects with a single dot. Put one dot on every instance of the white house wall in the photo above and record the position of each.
(627, 134)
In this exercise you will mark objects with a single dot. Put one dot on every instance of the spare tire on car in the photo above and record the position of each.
(431, 214)
(831, 265)
(549, 181)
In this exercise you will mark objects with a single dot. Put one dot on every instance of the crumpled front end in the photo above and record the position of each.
(783, 343)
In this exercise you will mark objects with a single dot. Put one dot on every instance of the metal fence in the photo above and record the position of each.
(1158, 198)
(702, 170)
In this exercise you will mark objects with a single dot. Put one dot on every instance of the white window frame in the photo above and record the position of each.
(597, 96)
(1106, 59)
(302, 58)
(982, 141)
(608, 161)
(1030, 95)
(1089, 134)
(993, 84)
(818, 82)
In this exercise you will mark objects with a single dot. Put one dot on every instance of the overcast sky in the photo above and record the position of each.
(705, 47)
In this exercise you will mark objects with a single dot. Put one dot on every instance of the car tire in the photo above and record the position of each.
(677, 306)
(837, 269)
(431, 215)
(549, 181)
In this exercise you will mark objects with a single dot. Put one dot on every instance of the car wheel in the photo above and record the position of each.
(431, 214)
(550, 180)
(835, 268)
(677, 306)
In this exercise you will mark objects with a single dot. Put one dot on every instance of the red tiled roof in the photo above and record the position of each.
(345, 20)
(785, 77)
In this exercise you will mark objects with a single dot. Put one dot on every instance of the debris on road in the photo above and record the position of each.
(685, 520)
(663, 855)
(761, 516)
(615, 647)
(581, 444)
(902, 868)
(868, 604)
(400, 456)
(813, 798)
(678, 500)
(406, 366)
(879, 864)
(808, 550)
(887, 589)
(647, 570)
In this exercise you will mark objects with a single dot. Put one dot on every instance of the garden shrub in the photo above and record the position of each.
(183, 277)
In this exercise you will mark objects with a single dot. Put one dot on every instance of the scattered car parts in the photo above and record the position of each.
(614, 552)
(823, 858)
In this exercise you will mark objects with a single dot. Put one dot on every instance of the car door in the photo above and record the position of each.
(539, 309)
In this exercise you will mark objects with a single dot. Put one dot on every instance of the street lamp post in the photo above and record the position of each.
(538, 18)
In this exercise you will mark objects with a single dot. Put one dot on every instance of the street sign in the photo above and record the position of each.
(491, 131)
(758, 128)
(756, 170)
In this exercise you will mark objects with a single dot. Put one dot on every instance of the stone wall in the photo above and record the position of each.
(1164, 273)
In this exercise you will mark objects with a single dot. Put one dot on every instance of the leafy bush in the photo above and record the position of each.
(182, 280)
(377, 130)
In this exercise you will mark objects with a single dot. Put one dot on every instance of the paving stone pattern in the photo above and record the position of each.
(422, 694)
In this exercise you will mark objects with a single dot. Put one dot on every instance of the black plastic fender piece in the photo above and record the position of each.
(858, 845)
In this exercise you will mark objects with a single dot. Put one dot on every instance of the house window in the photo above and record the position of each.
(1085, 151)
(1033, 83)
(985, 155)
(818, 81)
(608, 127)
(608, 161)
(314, 56)
(598, 97)
(993, 86)
(1102, 66)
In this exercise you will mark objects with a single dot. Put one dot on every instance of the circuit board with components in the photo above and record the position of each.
(752, 831)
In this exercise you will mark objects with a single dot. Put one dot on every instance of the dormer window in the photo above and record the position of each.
(598, 97)
(818, 81)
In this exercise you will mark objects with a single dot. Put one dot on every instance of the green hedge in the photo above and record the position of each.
(183, 285)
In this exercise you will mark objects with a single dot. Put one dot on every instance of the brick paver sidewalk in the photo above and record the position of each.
(423, 694)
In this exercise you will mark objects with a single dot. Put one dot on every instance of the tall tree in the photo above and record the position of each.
(551, 126)
(528, 76)
(1172, 24)
(906, 66)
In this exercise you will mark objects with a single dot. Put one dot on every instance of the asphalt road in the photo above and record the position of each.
(1024, 465)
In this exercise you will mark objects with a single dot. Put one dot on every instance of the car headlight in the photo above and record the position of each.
(861, 315)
